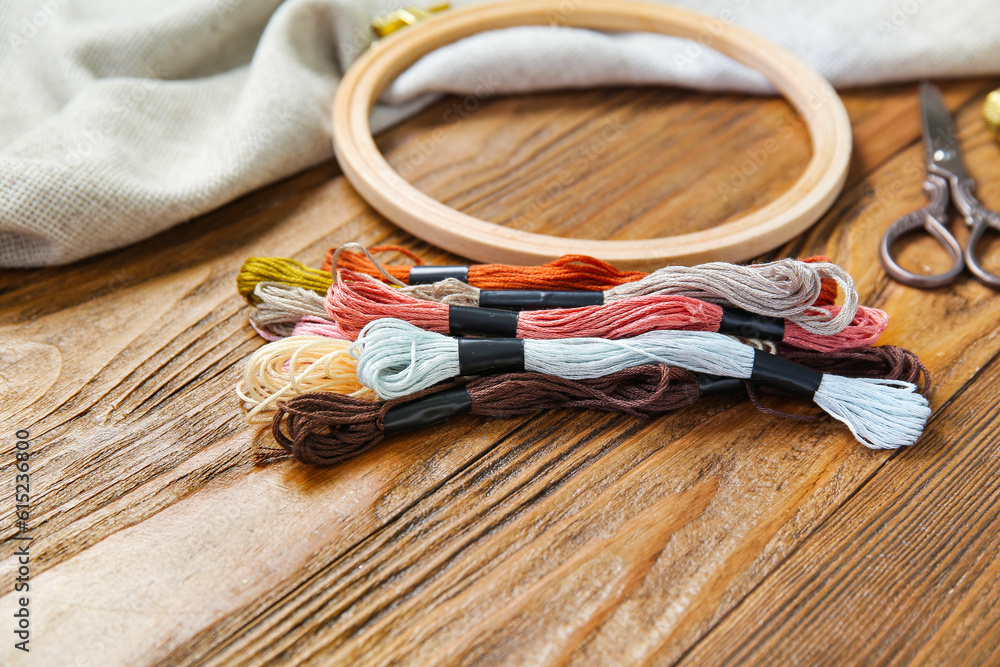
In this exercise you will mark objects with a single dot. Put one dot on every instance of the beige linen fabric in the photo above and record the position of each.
(121, 118)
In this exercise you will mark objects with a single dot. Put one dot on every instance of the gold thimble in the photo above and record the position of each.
(991, 111)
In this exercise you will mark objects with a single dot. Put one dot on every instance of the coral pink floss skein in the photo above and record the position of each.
(356, 299)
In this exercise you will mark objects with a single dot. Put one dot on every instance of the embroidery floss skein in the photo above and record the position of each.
(785, 288)
(573, 272)
(325, 428)
(886, 362)
(281, 307)
(303, 364)
(396, 359)
(570, 272)
(503, 277)
(283, 310)
(795, 284)
(279, 270)
(292, 273)
(292, 366)
(356, 300)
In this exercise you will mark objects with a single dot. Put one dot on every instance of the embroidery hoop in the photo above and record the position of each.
(794, 211)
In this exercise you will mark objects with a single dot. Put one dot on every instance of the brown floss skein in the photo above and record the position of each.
(325, 428)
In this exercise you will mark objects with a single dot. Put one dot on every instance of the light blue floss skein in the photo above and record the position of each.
(397, 359)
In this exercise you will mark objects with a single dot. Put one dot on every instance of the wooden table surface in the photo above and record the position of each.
(714, 535)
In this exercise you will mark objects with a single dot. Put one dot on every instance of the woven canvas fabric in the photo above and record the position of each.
(121, 118)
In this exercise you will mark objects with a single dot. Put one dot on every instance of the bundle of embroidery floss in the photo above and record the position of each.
(355, 300)
(790, 287)
(327, 428)
(573, 333)
(279, 270)
(397, 359)
(324, 426)
(784, 278)
(302, 364)
(570, 272)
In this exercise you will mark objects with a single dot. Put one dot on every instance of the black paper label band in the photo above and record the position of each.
(782, 374)
(538, 300)
(427, 410)
(425, 275)
(490, 355)
(738, 322)
(711, 385)
(469, 321)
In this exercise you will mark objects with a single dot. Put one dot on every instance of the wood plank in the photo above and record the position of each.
(145, 492)
(318, 600)
(924, 581)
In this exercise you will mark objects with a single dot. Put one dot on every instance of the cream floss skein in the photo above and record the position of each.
(357, 299)
(396, 359)
(286, 368)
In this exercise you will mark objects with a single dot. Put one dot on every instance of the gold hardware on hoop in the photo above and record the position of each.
(991, 111)
(393, 21)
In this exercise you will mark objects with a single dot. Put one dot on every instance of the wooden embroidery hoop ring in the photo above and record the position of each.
(749, 236)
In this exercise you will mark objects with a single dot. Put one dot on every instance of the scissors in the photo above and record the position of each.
(945, 172)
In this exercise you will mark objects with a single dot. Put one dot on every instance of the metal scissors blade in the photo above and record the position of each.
(944, 157)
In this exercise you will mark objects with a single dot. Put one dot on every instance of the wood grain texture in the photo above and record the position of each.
(568, 537)
(892, 542)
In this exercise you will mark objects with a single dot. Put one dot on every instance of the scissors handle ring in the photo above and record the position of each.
(972, 259)
(908, 223)
(980, 220)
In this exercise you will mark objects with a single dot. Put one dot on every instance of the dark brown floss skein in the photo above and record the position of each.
(887, 362)
(325, 428)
